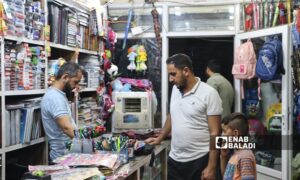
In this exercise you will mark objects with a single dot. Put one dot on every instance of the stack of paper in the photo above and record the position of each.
(88, 111)
(35, 19)
(92, 76)
(72, 28)
(23, 121)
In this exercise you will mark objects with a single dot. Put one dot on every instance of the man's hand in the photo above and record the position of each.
(76, 91)
(153, 141)
(208, 174)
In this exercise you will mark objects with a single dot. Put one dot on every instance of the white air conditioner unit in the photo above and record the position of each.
(133, 111)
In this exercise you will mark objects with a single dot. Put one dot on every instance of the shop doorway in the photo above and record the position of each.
(201, 50)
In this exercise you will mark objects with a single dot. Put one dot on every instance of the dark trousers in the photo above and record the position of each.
(191, 170)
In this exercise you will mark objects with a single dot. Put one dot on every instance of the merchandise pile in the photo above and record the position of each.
(24, 67)
(88, 112)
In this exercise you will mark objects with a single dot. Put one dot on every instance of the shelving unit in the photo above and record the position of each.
(73, 49)
(20, 146)
(25, 40)
(271, 171)
(41, 143)
(24, 92)
(88, 90)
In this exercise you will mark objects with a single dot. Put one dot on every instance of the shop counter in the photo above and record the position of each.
(139, 169)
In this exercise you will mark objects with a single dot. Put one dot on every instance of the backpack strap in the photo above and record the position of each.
(259, 89)
(242, 90)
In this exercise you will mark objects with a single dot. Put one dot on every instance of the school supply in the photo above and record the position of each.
(270, 60)
(273, 117)
(252, 103)
(244, 61)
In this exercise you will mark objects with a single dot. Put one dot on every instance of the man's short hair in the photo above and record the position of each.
(70, 68)
(181, 61)
(214, 65)
(237, 121)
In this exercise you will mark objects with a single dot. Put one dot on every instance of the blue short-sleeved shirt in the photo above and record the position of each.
(55, 104)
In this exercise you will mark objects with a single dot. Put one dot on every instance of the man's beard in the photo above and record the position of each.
(182, 85)
(68, 91)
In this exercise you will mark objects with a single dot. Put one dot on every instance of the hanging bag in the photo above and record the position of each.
(244, 61)
(270, 60)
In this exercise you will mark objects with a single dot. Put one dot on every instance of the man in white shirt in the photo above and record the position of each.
(194, 120)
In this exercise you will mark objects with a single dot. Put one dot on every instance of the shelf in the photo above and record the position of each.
(24, 92)
(68, 48)
(88, 52)
(23, 39)
(88, 90)
(20, 146)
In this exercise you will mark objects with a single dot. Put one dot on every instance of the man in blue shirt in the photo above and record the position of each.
(56, 113)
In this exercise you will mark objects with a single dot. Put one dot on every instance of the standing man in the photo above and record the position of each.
(56, 113)
(195, 113)
(221, 84)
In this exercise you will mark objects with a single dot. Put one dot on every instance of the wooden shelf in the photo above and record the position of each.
(88, 52)
(23, 39)
(68, 48)
(88, 90)
(24, 92)
(20, 146)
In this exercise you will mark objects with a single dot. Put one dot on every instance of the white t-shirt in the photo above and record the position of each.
(190, 133)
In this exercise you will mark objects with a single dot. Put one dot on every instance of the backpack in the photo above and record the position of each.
(270, 60)
(256, 131)
(244, 61)
(273, 117)
(252, 105)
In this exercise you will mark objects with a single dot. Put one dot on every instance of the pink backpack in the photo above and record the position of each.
(244, 61)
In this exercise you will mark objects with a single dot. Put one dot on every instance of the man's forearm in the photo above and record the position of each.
(214, 129)
(166, 129)
(69, 132)
(213, 155)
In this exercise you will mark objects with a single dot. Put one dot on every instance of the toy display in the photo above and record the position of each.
(106, 59)
(141, 58)
(113, 70)
(137, 53)
(131, 57)
(111, 39)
